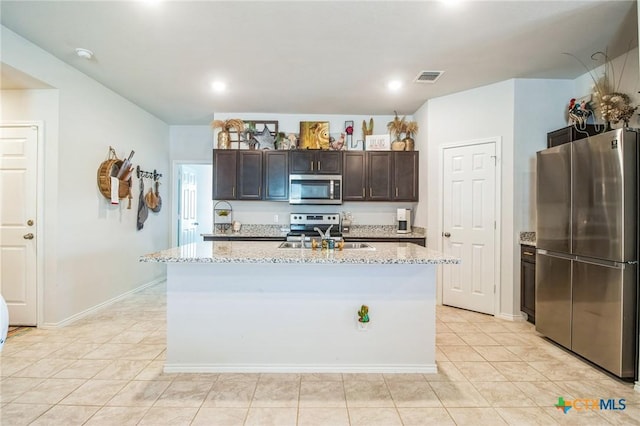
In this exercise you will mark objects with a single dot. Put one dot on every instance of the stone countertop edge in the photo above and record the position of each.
(528, 238)
(267, 252)
(357, 231)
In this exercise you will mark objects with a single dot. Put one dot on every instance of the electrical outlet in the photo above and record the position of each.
(275, 218)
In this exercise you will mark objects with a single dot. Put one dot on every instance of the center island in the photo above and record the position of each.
(239, 306)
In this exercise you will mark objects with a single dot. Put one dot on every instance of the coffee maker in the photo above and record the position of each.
(403, 221)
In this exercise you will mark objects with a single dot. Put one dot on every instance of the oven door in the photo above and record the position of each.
(315, 189)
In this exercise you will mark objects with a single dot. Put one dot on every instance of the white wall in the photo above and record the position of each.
(485, 112)
(91, 247)
(194, 143)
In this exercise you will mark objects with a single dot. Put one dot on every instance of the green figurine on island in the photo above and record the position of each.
(363, 314)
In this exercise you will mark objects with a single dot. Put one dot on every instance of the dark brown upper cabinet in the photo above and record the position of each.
(405, 176)
(225, 164)
(276, 175)
(315, 162)
(249, 175)
(354, 176)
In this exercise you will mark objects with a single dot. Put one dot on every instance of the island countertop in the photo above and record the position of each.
(268, 252)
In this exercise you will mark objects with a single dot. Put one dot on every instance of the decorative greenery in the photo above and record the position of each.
(614, 106)
(411, 128)
(363, 314)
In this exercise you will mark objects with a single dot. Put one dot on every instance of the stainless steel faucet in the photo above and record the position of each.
(326, 233)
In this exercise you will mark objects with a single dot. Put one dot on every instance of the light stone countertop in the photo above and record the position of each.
(357, 231)
(528, 238)
(268, 252)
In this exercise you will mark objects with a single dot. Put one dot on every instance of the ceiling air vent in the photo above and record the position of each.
(428, 76)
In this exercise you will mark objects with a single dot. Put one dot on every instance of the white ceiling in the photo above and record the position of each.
(322, 57)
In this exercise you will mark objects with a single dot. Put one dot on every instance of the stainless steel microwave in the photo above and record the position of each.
(315, 189)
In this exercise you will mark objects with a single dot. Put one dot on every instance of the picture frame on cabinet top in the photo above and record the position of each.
(377, 143)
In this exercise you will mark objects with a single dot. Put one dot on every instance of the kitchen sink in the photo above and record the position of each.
(346, 246)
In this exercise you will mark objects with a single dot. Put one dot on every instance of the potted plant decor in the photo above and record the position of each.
(224, 138)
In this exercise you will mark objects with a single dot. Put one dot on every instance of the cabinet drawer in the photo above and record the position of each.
(528, 254)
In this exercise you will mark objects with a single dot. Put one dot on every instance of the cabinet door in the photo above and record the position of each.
(559, 137)
(354, 176)
(249, 175)
(528, 283)
(302, 162)
(379, 175)
(329, 162)
(276, 175)
(224, 174)
(405, 173)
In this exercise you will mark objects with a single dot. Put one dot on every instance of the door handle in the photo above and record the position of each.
(318, 165)
(446, 234)
(28, 236)
(311, 165)
(196, 223)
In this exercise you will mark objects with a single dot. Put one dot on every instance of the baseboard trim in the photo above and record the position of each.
(301, 368)
(93, 309)
(636, 387)
(510, 317)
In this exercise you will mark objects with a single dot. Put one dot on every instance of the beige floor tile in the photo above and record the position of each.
(440, 356)
(461, 353)
(496, 353)
(544, 394)
(462, 327)
(510, 339)
(476, 416)
(117, 416)
(532, 353)
(585, 418)
(13, 387)
(447, 372)
(443, 328)
(321, 377)
(477, 339)
(142, 352)
(94, 392)
(367, 394)
(518, 371)
(413, 394)
(619, 389)
(82, 369)
(526, 416)
(66, 415)
(363, 377)
(129, 336)
(403, 377)
(276, 394)
(269, 416)
(374, 417)
(220, 417)
(184, 394)
(313, 416)
(322, 394)
(44, 368)
(11, 365)
(40, 350)
(425, 416)
(122, 369)
(198, 377)
(279, 377)
(154, 371)
(50, 391)
(139, 393)
(503, 394)
(458, 394)
(449, 339)
(21, 414)
(491, 327)
(173, 416)
(239, 377)
(481, 371)
(230, 394)
(629, 416)
(110, 351)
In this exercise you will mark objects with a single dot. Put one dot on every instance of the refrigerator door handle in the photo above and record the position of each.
(599, 262)
(556, 254)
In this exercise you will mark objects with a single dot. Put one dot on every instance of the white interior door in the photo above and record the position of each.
(469, 191)
(18, 194)
(188, 226)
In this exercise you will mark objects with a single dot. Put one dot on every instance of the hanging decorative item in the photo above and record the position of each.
(265, 139)
(348, 129)
(314, 135)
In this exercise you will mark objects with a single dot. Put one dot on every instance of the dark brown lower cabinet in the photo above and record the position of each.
(528, 282)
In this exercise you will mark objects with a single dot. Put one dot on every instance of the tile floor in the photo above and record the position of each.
(107, 370)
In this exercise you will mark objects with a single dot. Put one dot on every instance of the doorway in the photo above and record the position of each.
(193, 215)
(469, 225)
(18, 222)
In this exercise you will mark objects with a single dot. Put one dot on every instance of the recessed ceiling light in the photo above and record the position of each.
(394, 85)
(218, 86)
(84, 53)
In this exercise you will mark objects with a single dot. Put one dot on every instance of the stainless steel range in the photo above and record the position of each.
(313, 225)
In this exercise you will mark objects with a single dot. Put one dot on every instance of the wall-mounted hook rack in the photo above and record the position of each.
(151, 175)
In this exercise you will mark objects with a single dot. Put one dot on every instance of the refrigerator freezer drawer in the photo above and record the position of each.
(553, 298)
(604, 326)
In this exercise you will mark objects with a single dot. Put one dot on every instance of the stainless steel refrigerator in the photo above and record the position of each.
(587, 248)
